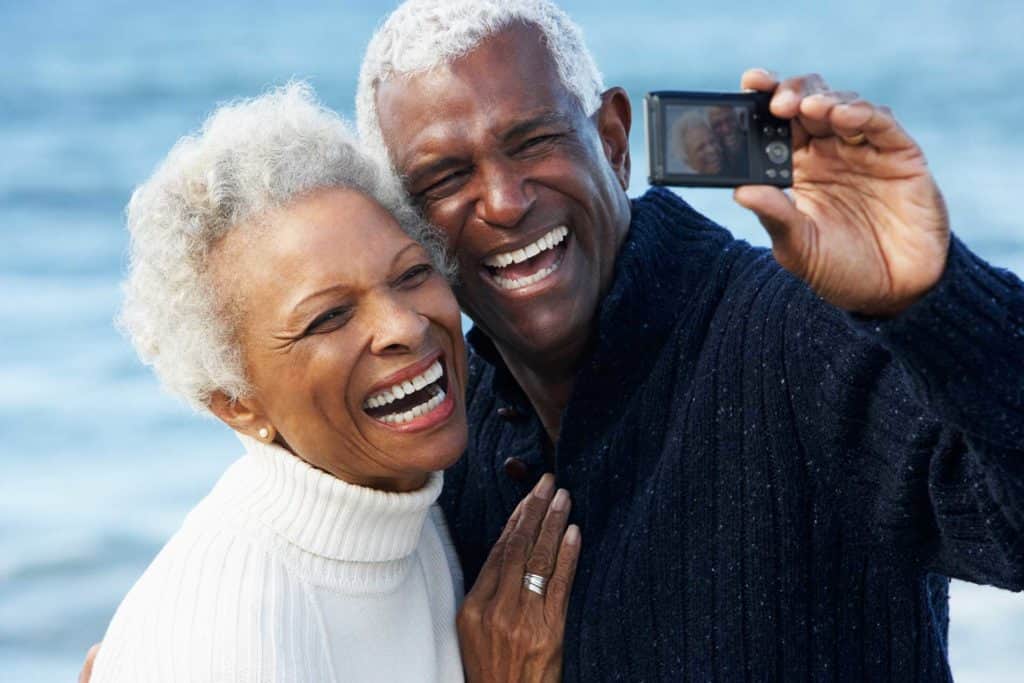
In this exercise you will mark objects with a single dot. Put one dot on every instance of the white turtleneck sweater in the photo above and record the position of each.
(285, 573)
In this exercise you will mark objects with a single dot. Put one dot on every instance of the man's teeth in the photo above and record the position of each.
(413, 413)
(548, 241)
(429, 376)
(505, 283)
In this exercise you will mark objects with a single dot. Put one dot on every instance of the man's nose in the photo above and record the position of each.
(505, 197)
(397, 327)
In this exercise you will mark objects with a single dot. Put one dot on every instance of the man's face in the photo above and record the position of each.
(726, 128)
(529, 190)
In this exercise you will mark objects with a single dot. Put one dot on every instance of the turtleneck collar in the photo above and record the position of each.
(320, 514)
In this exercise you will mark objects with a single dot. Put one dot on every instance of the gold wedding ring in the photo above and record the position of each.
(858, 139)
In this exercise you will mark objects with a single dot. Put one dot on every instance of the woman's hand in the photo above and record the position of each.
(90, 657)
(865, 226)
(507, 631)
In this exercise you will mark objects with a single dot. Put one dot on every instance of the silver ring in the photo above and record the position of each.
(534, 582)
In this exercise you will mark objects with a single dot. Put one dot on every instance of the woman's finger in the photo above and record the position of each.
(556, 599)
(487, 578)
(520, 540)
(545, 549)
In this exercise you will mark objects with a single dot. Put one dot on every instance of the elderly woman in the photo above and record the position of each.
(695, 144)
(279, 282)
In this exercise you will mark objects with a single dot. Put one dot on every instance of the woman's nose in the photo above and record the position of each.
(398, 328)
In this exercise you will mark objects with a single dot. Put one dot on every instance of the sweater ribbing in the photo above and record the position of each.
(767, 487)
(285, 573)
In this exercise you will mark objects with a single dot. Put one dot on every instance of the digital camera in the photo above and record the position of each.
(706, 139)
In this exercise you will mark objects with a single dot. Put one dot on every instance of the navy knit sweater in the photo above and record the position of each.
(768, 488)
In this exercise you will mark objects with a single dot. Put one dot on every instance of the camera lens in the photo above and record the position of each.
(778, 152)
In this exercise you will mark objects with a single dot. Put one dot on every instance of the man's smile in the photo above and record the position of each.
(519, 268)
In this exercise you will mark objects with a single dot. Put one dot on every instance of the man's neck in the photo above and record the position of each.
(547, 385)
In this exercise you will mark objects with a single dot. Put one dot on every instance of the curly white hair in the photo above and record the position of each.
(249, 157)
(422, 34)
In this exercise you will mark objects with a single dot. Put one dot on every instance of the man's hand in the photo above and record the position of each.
(90, 657)
(865, 226)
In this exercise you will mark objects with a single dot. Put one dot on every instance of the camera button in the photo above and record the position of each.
(783, 131)
(770, 173)
(784, 173)
(778, 152)
(768, 131)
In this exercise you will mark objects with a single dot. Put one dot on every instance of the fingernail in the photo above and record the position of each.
(572, 535)
(545, 487)
(770, 74)
(561, 501)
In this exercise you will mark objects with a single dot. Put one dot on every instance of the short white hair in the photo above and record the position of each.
(423, 34)
(249, 157)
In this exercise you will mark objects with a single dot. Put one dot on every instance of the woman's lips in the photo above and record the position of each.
(416, 403)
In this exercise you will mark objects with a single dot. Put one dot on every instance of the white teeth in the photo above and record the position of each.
(417, 411)
(505, 283)
(548, 241)
(429, 376)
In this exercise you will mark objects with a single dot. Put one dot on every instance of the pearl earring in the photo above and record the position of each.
(264, 432)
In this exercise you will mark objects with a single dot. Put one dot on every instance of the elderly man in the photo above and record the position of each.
(775, 462)
(725, 125)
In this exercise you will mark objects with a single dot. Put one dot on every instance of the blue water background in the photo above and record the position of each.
(99, 466)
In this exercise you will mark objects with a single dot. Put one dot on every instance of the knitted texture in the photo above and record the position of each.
(768, 488)
(284, 573)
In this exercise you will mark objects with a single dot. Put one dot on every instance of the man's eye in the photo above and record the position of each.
(329, 321)
(537, 141)
(445, 186)
(416, 275)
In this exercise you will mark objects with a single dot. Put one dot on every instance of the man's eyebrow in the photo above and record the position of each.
(542, 120)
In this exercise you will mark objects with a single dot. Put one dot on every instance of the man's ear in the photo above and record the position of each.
(614, 119)
(243, 415)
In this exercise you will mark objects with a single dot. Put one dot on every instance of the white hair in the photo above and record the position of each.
(249, 157)
(423, 34)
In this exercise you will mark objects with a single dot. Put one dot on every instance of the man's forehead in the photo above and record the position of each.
(501, 82)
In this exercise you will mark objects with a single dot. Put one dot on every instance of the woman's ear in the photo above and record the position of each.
(614, 119)
(243, 415)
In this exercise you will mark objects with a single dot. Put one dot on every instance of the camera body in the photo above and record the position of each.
(707, 139)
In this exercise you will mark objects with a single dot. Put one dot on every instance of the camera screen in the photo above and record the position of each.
(707, 139)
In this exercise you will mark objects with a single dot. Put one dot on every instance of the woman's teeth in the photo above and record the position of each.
(426, 386)
(429, 376)
(416, 411)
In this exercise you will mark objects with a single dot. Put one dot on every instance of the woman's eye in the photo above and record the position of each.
(416, 275)
(329, 321)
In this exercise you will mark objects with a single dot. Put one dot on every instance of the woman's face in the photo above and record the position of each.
(342, 314)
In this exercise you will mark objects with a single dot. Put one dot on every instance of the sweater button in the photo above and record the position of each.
(516, 469)
(508, 412)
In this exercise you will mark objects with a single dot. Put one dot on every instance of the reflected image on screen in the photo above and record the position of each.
(709, 140)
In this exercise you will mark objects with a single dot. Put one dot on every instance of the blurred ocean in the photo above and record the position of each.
(99, 467)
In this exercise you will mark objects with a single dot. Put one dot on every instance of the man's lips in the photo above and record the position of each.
(524, 267)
